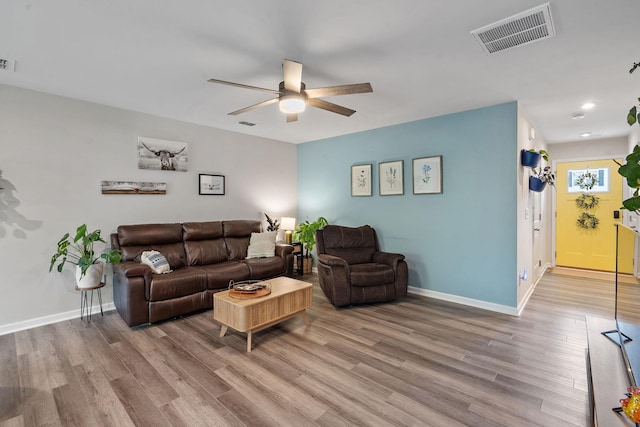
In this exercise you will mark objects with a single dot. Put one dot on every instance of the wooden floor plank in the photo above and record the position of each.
(413, 361)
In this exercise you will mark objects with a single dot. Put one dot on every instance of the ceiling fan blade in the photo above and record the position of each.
(253, 107)
(292, 75)
(321, 92)
(292, 117)
(334, 108)
(275, 92)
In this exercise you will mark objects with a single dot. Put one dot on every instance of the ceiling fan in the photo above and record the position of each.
(293, 95)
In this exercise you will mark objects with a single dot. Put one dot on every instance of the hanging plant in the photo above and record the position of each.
(587, 180)
(587, 201)
(587, 221)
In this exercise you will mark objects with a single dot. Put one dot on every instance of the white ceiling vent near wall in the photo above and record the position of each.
(7, 65)
(527, 27)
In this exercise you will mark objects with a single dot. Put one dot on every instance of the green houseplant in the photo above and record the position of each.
(631, 169)
(80, 252)
(305, 233)
(541, 176)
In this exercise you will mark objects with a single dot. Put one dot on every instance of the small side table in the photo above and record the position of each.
(297, 256)
(85, 309)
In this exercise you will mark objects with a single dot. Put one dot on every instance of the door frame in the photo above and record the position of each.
(554, 211)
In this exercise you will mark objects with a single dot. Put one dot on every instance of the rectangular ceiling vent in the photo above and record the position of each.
(527, 27)
(7, 65)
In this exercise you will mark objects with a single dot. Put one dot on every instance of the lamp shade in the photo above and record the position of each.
(287, 223)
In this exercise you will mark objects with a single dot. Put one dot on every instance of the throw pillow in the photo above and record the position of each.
(156, 261)
(262, 245)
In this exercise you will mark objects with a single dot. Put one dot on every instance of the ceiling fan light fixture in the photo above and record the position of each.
(292, 103)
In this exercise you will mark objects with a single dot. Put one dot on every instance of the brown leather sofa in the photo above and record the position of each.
(204, 257)
(352, 269)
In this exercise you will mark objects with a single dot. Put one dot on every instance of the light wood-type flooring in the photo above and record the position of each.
(415, 361)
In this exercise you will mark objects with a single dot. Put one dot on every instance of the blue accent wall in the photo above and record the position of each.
(461, 242)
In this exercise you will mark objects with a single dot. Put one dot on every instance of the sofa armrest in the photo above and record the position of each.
(131, 291)
(133, 269)
(282, 250)
(388, 258)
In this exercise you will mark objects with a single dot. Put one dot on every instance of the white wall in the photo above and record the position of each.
(54, 152)
(589, 149)
(526, 257)
(634, 138)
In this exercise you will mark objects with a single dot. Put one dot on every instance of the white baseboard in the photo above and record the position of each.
(54, 318)
(499, 308)
(525, 300)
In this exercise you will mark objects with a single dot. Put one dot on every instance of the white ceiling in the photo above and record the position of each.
(155, 56)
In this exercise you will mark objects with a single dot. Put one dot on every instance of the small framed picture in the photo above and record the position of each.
(427, 175)
(391, 178)
(211, 185)
(361, 180)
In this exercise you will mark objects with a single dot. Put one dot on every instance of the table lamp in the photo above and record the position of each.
(287, 224)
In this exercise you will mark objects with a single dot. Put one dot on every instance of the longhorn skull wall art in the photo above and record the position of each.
(160, 154)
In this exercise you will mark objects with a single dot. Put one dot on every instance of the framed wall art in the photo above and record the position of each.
(129, 187)
(159, 154)
(391, 178)
(211, 185)
(361, 180)
(427, 175)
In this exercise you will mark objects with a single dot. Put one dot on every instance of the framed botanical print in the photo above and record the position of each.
(427, 175)
(391, 178)
(361, 180)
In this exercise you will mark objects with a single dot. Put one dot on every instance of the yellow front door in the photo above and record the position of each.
(583, 244)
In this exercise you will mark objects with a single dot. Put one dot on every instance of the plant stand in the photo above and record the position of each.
(307, 264)
(86, 304)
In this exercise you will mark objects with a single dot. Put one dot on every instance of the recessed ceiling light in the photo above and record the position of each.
(578, 116)
(585, 134)
(588, 105)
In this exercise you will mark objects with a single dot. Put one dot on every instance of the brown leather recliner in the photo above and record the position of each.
(352, 270)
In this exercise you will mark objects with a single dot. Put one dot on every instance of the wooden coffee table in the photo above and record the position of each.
(289, 297)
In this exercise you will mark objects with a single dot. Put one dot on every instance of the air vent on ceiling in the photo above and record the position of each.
(7, 65)
(527, 27)
(246, 123)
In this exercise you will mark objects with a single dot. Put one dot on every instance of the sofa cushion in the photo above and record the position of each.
(185, 281)
(354, 245)
(262, 245)
(236, 235)
(240, 228)
(219, 275)
(262, 268)
(371, 275)
(202, 230)
(164, 238)
(205, 252)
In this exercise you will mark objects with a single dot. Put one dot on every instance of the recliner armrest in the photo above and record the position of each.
(331, 260)
(388, 258)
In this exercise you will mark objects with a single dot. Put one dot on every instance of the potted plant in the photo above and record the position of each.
(80, 252)
(273, 223)
(305, 233)
(631, 170)
(540, 178)
(531, 157)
